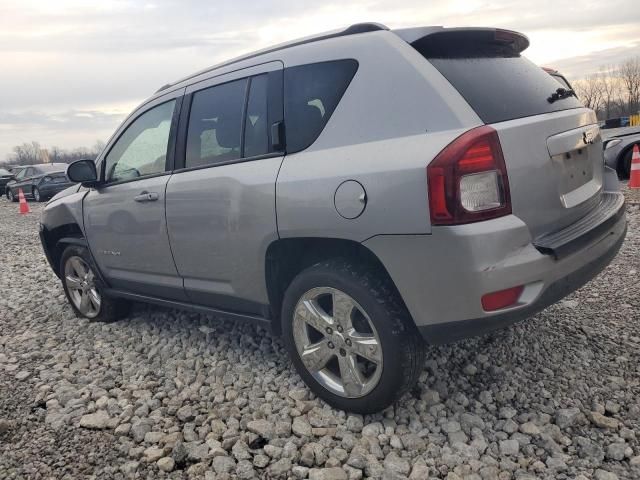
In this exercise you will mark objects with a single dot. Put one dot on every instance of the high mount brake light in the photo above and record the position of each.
(467, 181)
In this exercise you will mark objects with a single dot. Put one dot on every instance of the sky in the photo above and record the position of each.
(73, 69)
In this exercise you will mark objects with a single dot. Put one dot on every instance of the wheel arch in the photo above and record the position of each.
(55, 240)
(287, 257)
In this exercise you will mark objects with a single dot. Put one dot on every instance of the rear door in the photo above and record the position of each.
(125, 217)
(551, 143)
(221, 198)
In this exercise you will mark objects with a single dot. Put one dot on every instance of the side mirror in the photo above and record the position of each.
(84, 172)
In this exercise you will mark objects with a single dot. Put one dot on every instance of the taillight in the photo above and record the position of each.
(468, 181)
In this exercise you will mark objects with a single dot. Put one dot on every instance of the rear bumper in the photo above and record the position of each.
(442, 277)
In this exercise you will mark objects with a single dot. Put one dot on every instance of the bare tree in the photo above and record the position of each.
(611, 89)
(27, 153)
(590, 91)
(97, 148)
(630, 77)
(55, 154)
(31, 153)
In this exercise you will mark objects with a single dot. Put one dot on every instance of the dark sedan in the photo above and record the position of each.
(5, 177)
(39, 182)
(618, 149)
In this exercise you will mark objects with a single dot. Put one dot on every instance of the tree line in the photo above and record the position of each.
(612, 92)
(31, 153)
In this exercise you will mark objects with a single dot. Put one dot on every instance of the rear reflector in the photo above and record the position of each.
(501, 299)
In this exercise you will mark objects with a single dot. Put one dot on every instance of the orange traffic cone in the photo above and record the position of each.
(24, 206)
(634, 178)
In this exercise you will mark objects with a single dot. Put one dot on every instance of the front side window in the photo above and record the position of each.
(215, 124)
(20, 175)
(142, 149)
(312, 93)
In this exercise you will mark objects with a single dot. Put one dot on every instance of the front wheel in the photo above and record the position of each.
(85, 291)
(10, 196)
(350, 336)
(624, 165)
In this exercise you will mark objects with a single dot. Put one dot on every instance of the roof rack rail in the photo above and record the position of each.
(351, 30)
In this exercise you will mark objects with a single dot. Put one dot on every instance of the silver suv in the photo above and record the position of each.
(363, 193)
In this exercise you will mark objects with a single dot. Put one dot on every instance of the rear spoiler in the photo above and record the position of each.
(440, 42)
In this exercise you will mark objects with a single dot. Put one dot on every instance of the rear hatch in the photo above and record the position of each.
(551, 143)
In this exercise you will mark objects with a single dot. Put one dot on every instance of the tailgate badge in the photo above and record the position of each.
(587, 137)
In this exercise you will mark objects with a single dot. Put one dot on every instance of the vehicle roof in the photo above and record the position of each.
(410, 35)
(49, 166)
(352, 30)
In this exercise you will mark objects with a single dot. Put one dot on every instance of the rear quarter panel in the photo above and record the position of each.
(396, 115)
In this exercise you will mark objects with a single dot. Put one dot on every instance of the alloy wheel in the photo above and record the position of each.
(36, 194)
(80, 281)
(337, 342)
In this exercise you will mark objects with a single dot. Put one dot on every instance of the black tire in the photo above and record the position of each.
(624, 165)
(402, 346)
(35, 193)
(10, 196)
(111, 309)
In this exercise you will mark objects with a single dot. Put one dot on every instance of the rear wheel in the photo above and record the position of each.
(85, 291)
(350, 337)
(36, 194)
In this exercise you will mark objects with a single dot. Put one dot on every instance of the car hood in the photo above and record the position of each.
(66, 192)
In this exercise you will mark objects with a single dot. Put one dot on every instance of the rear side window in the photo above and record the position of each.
(497, 82)
(215, 124)
(312, 93)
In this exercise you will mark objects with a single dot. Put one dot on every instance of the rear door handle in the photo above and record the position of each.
(146, 197)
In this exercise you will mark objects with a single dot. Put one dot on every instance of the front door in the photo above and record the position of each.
(221, 199)
(24, 182)
(125, 218)
(17, 182)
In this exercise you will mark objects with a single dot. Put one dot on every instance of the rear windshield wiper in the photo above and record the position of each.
(561, 93)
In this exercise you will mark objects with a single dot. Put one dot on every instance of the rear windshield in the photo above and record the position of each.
(50, 168)
(502, 88)
(561, 80)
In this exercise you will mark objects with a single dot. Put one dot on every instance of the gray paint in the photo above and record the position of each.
(397, 114)
(221, 221)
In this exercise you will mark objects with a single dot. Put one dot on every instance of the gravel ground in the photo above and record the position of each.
(167, 394)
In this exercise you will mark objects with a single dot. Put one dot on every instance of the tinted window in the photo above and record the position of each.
(29, 172)
(562, 81)
(142, 148)
(50, 168)
(503, 88)
(256, 140)
(21, 174)
(215, 124)
(312, 93)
